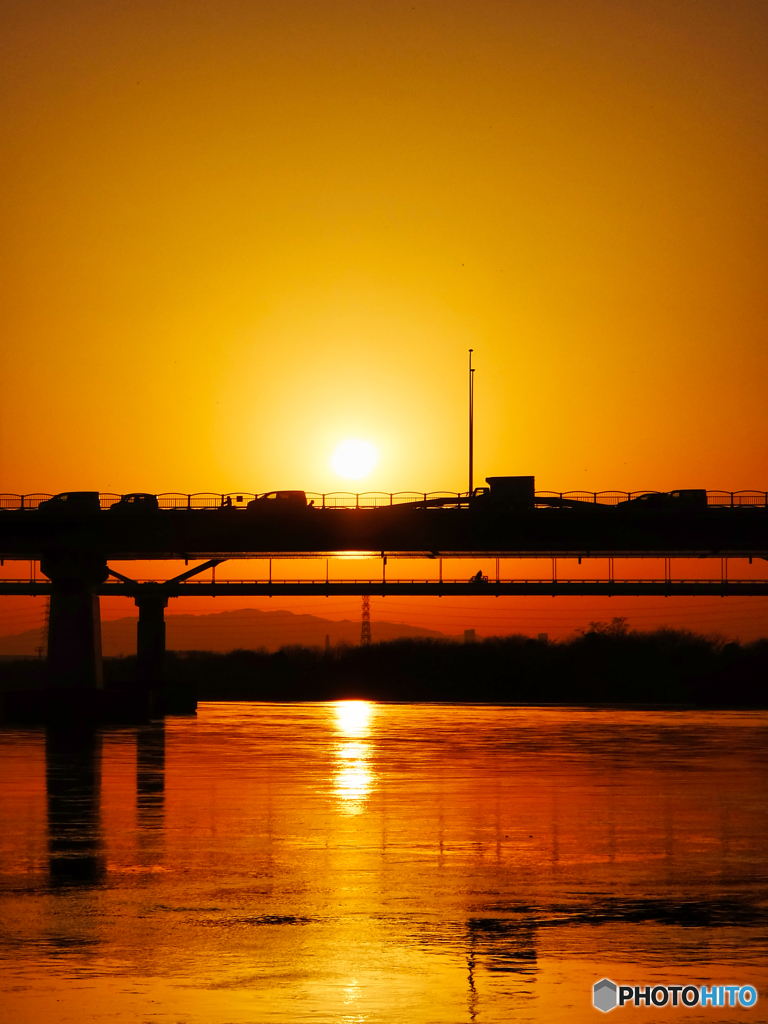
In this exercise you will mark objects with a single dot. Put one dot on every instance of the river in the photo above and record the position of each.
(354, 863)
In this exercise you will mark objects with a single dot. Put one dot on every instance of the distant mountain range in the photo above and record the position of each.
(248, 628)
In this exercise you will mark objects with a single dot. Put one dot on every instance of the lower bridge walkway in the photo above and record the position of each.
(485, 586)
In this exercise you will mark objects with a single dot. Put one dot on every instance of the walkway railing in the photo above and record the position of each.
(377, 499)
(486, 582)
(414, 588)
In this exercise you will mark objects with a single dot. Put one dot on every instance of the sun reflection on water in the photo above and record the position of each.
(351, 993)
(353, 775)
(353, 717)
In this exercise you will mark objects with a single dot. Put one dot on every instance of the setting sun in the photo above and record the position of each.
(354, 459)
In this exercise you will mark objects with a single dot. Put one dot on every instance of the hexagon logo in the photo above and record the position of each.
(604, 995)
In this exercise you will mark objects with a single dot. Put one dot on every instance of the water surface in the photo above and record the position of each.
(357, 862)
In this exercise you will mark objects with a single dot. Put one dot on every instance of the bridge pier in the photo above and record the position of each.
(150, 639)
(74, 627)
(168, 697)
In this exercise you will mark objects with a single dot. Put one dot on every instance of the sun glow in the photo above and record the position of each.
(353, 717)
(354, 459)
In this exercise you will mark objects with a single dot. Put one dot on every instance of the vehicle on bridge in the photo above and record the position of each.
(687, 500)
(279, 501)
(72, 503)
(136, 502)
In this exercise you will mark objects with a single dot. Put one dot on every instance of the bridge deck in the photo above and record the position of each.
(594, 531)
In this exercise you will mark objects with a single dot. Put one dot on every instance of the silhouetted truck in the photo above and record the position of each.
(512, 490)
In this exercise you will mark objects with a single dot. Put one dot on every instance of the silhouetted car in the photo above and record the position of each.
(279, 501)
(136, 502)
(668, 500)
(72, 502)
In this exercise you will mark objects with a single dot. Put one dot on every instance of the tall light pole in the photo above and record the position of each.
(471, 422)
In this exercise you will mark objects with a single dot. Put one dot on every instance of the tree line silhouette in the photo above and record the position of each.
(605, 663)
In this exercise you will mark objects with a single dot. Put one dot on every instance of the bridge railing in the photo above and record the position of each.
(204, 499)
(487, 581)
(732, 499)
(22, 501)
(736, 498)
(594, 497)
(377, 499)
(374, 499)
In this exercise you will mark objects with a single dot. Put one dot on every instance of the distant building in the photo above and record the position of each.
(469, 636)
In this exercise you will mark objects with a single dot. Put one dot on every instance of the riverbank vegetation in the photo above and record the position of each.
(606, 663)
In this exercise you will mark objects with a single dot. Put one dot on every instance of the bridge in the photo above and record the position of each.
(75, 542)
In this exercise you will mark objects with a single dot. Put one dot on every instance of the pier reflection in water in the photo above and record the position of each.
(371, 863)
(73, 788)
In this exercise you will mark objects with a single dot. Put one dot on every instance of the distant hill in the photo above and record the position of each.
(248, 628)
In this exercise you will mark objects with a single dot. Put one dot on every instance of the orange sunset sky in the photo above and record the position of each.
(239, 232)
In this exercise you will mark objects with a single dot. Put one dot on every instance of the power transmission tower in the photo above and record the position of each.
(42, 648)
(365, 630)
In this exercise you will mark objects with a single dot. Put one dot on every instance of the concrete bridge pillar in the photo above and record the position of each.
(150, 639)
(74, 627)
